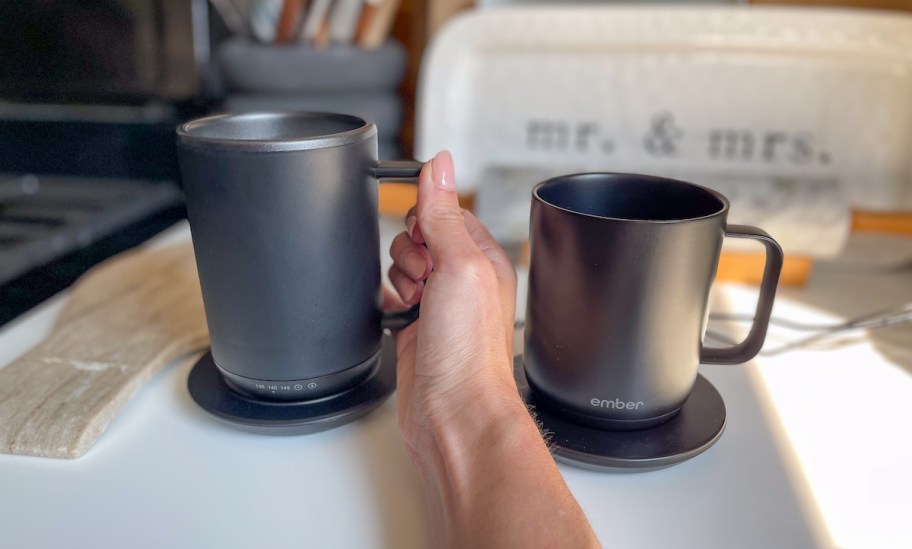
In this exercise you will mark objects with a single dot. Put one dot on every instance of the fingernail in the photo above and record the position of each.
(442, 171)
(407, 288)
(410, 222)
(416, 295)
(414, 265)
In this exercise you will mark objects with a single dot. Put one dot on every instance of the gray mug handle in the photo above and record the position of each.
(405, 171)
(752, 344)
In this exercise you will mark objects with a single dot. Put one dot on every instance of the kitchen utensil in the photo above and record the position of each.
(123, 321)
(290, 21)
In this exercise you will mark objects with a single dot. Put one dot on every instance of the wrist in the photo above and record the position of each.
(491, 426)
(487, 458)
(487, 405)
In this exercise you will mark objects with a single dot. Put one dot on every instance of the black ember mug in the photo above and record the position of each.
(620, 274)
(283, 213)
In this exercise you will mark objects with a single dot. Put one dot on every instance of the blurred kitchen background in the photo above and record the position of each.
(803, 116)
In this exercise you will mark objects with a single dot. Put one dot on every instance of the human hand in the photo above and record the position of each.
(489, 478)
(462, 344)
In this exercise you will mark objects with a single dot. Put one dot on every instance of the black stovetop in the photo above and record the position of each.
(53, 229)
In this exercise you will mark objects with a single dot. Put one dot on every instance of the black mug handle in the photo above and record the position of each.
(751, 345)
(405, 171)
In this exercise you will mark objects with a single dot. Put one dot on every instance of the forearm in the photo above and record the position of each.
(489, 478)
(491, 482)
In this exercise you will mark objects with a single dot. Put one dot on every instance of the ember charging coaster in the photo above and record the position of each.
(696, 427)
(209, 389)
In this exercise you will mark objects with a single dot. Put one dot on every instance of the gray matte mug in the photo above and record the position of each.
(620, 274)
(283, 215)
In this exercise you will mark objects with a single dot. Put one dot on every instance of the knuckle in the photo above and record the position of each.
(473, 267)
(397, 244)
(442, 211)
(399, 254)
(394, 274)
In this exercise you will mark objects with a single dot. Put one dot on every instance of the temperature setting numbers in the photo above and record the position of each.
(286, 388)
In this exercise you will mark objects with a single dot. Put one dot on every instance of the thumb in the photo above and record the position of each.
(438, 211)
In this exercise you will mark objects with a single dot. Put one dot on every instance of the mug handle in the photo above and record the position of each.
(751, 345)
(403, 171)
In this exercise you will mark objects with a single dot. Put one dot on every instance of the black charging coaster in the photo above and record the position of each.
(690, 432)
(209, 390)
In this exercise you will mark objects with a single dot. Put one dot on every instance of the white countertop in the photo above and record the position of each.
(816, 452)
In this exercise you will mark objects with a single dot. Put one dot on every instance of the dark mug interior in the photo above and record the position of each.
(630, 197)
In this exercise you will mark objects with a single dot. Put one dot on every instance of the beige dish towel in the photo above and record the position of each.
(125, 319)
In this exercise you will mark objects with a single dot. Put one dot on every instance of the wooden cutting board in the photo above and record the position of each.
(124, 320)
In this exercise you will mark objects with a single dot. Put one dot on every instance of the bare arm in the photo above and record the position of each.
(488, 476)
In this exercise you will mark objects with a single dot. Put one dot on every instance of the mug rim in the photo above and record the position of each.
(621, 175)
(188, 132)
